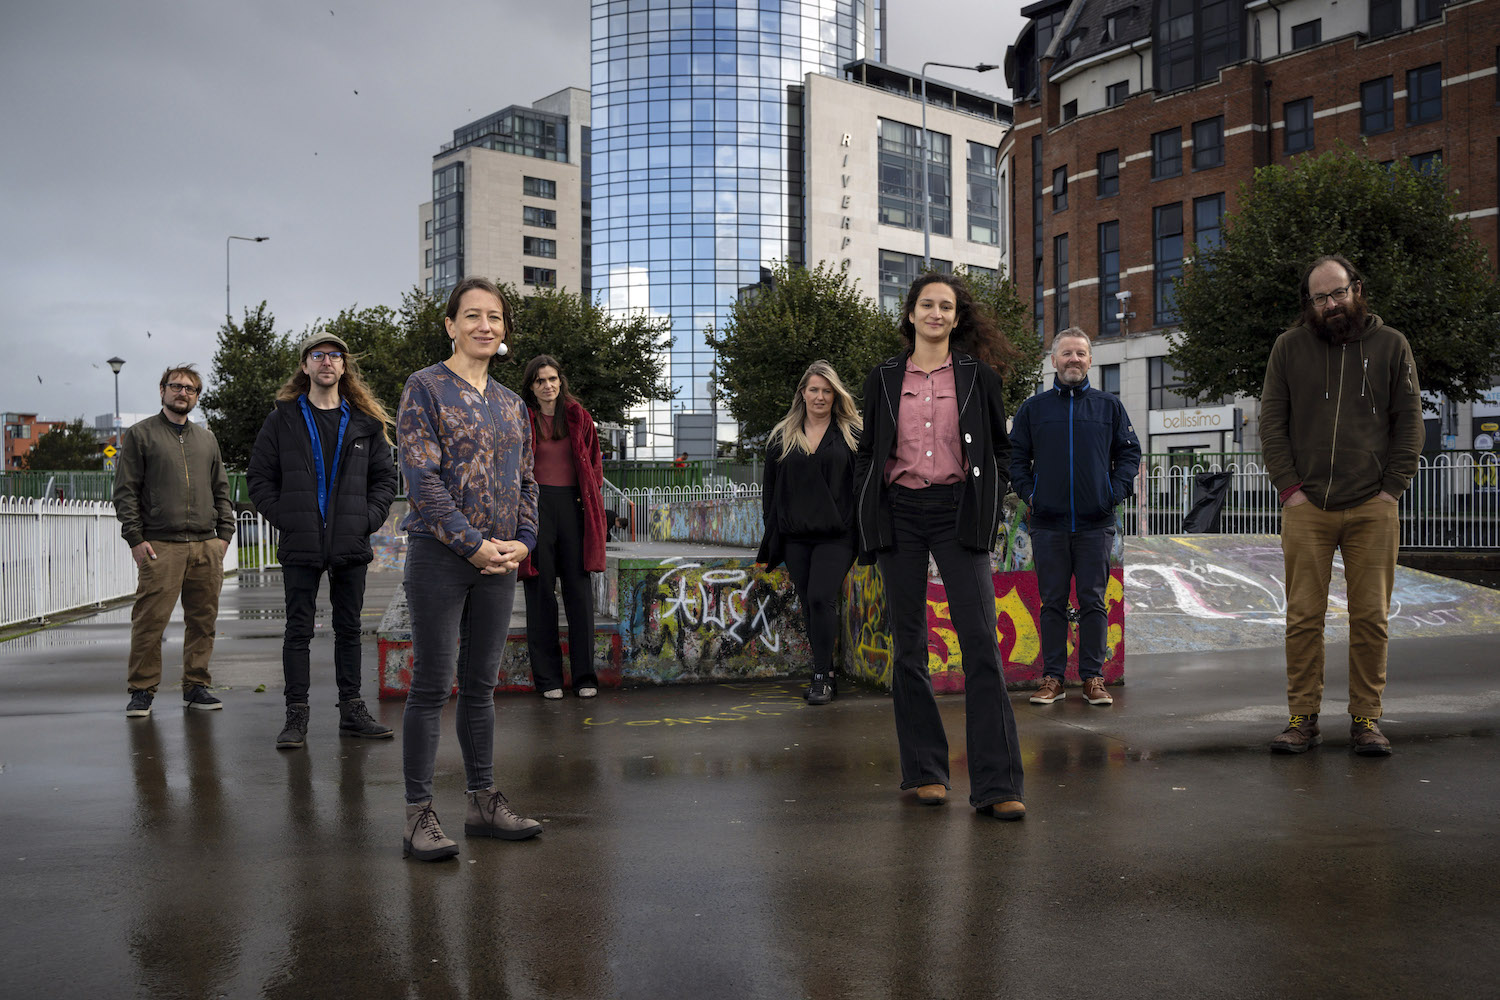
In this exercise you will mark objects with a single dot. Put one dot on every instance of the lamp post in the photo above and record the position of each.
(926, 157)
(247, 239)
(115, 364)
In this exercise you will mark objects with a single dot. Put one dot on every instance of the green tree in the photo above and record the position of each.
(998, 293)
(252, 362)
(775, 330)
(612, 362)
(71, 446)
(1424, 272)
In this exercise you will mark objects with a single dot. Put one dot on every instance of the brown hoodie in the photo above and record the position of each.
(1344, 420)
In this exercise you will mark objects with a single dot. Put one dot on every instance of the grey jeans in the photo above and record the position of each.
(460, 620)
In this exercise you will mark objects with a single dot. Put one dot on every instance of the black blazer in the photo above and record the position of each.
(283, 485)
(985, 447)
(807, 496)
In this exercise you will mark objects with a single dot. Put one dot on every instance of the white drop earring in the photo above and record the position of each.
(504, 349)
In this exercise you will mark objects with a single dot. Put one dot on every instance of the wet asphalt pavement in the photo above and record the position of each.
(728, 841)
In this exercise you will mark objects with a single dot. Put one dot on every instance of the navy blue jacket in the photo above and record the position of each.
(1073, 456)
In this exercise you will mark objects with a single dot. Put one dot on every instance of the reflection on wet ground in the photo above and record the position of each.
(732, 841)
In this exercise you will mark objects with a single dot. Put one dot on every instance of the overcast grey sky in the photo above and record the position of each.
(137, 136)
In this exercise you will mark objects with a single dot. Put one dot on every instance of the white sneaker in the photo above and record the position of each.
(587, 692)
(553, 695)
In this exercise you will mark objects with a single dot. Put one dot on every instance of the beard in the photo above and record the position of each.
(180, 405)
(1341, 325)
(1072, 376)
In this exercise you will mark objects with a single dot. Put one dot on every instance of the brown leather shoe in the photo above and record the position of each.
(1366, 738)
(1012, 810)
(1094, 693)
(1300, 735)
(932, 795)
(1050, 690)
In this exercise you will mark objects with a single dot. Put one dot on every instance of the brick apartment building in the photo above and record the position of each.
(1136, 122)
(21, 432)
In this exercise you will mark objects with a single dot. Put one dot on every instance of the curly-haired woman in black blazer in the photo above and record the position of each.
(931, 474)
(808, 501)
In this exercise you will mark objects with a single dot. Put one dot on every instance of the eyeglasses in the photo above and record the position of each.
(1337, 295)
(330, 355)
(183, 387)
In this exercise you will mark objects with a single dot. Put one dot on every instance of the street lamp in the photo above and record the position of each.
(927, 159)
(247, 239)
(115, 364)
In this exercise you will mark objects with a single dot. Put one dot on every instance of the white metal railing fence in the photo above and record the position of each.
(1453, 501)
(255, 541)
(59, 554)
(665, 511)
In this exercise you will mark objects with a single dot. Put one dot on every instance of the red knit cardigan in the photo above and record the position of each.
(588, 463)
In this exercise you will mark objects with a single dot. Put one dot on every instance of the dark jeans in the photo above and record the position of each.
(818, 567)
(346, 592)
(559, 556)
(460, 620)
(926, 521)
(1081, 558)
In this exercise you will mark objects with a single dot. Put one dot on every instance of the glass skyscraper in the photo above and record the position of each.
(697, 165)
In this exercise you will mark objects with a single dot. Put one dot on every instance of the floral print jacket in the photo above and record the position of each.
(466, 457)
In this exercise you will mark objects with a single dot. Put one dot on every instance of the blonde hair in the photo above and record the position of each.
(789, 430)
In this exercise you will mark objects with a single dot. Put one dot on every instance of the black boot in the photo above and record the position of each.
(355, 720)
(820, 692)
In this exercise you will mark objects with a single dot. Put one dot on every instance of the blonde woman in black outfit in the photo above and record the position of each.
(808, 500)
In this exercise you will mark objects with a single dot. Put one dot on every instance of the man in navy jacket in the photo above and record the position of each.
(1073, 460)
(322, 474)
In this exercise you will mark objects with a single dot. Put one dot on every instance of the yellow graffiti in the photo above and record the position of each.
(737, 713)
(1028, 645)
(939, 663)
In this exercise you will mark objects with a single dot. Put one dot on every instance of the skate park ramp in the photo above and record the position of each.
(1209, 592)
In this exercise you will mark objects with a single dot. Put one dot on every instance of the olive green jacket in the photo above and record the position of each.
(1343, 420)
(171, 487)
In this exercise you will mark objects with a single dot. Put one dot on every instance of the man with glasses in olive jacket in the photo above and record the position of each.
(322, 473)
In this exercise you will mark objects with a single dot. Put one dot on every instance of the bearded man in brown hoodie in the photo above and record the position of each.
(1341, 430)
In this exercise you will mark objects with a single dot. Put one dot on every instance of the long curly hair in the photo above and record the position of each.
(352, 386)
(845, 415)
(975, 332)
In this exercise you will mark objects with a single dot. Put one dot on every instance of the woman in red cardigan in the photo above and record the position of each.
(569, 471)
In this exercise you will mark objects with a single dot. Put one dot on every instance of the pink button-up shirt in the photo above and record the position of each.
(928, 447)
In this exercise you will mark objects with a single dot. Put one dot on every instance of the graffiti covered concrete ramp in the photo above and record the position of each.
(1192, 592)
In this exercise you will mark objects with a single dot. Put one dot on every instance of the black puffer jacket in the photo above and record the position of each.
(283, 483)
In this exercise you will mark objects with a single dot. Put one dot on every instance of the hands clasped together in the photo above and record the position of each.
(497, 556)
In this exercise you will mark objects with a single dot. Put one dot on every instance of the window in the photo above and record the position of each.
(1070, 111)
(1298, 116)
(984, 194)
(545, 218)
(1116, 93)
(1208, 215)
(1424, 94)
(544, 277)
(1109, 378)
(1193, 39)
(1166, 153)
(974, 270)
(535, 246)
(901, 178)
(429, 256)
(429, 229)
(897, 272)
(1166, 391)
(1166, 233)
(1060, 189)
(1377, 106)
(1307, 34)
(1109, 173)
(1060, 280)
(1112, 28)
(539, 187)
(1429, 10)
(1109, 278)
(1385, 17)
(1427, 163)
(1208, 143)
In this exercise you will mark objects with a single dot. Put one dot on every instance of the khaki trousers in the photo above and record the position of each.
(1367, 537)
(195, 572)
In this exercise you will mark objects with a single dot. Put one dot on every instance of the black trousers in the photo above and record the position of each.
(346, 591)
(817, 567)
(1079, 559)
(925, 521)
(559, 556)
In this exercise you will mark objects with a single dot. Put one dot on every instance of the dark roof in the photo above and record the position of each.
(1088, 34)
